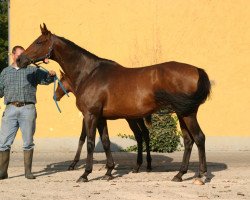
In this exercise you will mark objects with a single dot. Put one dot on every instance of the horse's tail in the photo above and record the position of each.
(204, 87)
(184, 104)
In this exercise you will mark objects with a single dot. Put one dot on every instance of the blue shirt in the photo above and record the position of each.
(21, 84)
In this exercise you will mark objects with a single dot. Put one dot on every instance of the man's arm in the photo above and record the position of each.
(43, 77)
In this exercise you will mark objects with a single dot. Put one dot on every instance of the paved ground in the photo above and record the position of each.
(229, 177)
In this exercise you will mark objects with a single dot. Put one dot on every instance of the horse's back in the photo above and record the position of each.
(172, 76)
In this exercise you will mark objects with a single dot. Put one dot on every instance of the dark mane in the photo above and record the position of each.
(107, 61)
(85, 52)
(78, 48)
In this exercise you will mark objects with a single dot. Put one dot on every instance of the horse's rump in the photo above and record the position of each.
(185, 104)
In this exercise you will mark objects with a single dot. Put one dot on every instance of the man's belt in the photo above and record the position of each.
(19, 104)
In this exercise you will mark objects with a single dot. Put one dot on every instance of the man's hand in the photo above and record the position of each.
(52, 73)
(46, 61)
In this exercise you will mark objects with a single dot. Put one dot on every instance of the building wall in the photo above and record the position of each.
(210, 34)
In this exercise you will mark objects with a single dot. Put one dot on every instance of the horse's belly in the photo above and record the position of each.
(116, 114)
(129, 107)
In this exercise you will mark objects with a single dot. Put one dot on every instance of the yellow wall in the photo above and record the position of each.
(212, 34)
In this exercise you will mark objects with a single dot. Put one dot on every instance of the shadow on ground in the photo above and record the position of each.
(125, 161)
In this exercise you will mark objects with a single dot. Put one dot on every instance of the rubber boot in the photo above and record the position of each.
(28, 156)
(4, 163)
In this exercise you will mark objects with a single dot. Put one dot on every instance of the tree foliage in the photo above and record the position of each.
(3, 34)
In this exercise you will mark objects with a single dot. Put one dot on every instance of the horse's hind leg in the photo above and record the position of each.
(103, 131)
(146, 138)
(138, 136)
(199, 139)
(188, 144)
(79, 149)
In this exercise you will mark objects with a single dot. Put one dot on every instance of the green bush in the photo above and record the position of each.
(164, 134)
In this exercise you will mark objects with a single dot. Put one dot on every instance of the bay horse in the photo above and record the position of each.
(107, 90)
(136, 125)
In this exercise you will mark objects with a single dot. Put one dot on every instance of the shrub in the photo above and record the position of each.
(164, 134)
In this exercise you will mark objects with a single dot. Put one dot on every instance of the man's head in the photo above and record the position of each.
(16, 52)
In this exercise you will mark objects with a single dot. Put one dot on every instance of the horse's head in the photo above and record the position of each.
(39, 50)
(66, 84)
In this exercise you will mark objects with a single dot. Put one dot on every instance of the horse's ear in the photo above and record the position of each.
(41, 28)
(44, 29)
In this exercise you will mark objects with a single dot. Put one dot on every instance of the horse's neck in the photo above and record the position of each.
(72, 87)
(75, 64)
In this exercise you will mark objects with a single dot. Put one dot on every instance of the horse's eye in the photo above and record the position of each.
(39, 42)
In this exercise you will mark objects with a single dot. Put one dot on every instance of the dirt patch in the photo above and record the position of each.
(57, 183)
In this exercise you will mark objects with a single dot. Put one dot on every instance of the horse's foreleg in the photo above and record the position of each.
(188, 144)
(138, 136)
(103, 131)
(79, 149)
(146, 138)
(90, 122)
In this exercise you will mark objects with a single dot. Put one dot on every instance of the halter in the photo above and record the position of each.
(43, 57)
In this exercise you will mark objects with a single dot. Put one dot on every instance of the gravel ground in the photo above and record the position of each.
(229, 175)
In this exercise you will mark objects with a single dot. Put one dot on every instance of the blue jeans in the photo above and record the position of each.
(13, 118)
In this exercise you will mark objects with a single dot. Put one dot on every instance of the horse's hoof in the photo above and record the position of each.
(82, 179)
(149, 169)
(198, 181)
(71, 168)
(177, 179)
(108, 177)
(135, 171)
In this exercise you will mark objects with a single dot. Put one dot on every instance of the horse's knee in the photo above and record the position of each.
(106, 143)
(106, 147)
(200, 139)
(188, 144)
(82, 138)
(90, 146)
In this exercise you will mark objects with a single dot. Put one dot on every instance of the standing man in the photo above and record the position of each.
(18, 86)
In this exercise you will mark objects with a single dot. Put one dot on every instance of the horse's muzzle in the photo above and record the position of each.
(23, 61)
(56, 97)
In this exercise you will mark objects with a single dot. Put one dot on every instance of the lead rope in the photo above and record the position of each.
(54, 90)
(64, 90)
